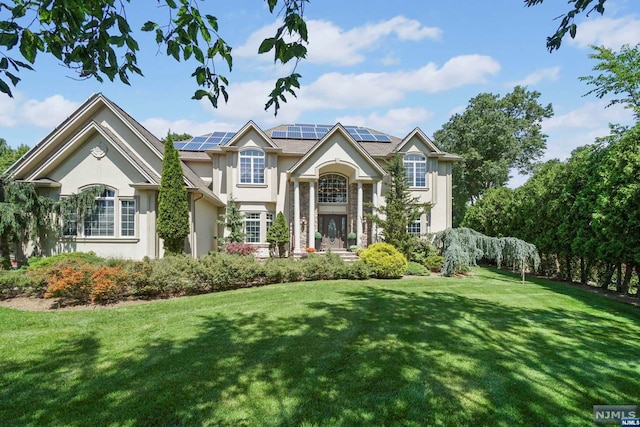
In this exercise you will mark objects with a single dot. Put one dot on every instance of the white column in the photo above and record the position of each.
(311, 221)
(360, 216)
(296, 216)
(374, 202)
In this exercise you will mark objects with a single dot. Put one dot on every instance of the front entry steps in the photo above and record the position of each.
(346, 256)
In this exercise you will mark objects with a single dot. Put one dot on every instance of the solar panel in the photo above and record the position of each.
(278, 134)
(199, 139)
(180, 145)
(207, 146)
(382, 138)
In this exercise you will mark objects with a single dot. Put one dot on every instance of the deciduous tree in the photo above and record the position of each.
(493, 135)
(620, 76)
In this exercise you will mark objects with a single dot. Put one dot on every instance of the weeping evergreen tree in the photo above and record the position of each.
(463, 247)
(27, 217)
(278, 236)
(173, 208)
(400, 208)
(233, 220)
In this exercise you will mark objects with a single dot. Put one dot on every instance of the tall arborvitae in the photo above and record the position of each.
(233, 221)
(173, 208)
(400, 208)
(278, 236)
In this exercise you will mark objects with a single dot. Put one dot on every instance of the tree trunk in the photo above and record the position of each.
(569, 277)
(623, 287)
(5, 254)
(637, 269)
(607, 276)
(583, 273)
(618, 277)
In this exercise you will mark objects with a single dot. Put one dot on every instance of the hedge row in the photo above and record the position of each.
(81, 278)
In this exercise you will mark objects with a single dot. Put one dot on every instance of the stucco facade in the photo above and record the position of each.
(322, 184)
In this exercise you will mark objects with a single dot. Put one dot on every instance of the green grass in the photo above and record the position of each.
(482, 350)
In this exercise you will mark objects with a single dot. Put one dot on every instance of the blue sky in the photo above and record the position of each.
(388, 65)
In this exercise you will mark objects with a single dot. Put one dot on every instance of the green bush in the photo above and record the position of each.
(15, 283)
(323, 266)
(420, 250)
(384, 260)
(281, 270)
(357, 270)
(170, 276)
(415, 269)
(44, 262)
(219, 271)
(434, 263)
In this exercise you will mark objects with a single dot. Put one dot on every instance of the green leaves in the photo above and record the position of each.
(567, 24)
(94, 39)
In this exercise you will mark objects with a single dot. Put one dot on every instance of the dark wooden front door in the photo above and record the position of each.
(334, 231)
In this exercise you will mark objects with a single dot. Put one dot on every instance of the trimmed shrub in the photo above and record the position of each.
(170, 276)
(357, 270)
(70, 280)
(108, 284)
(384, 260)
(281, 270)
(415, 269)
(219, 271)
(434, 263)
(323, 267)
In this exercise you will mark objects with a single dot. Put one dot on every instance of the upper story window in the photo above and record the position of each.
(252, 167)
(332, 188)
(415, 166)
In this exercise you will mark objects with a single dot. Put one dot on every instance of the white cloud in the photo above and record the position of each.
(609, 32)
(537, 76)
(581, 127)
(8, 109)
(336, 91)
(159, 126)
(330, 44)
(47, 113)
(591, 115)
(396, 122)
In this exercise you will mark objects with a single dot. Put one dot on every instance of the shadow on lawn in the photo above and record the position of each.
(379, 357)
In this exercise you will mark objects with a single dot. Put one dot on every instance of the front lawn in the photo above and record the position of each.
(481, 350)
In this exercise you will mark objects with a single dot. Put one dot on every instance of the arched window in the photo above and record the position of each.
(332, 188)
(416, 167)
(101, 220)
(251, 167)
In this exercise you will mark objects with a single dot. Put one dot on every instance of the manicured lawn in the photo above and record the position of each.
(482, 350)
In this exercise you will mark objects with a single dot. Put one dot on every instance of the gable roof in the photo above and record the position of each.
(92, 105)
(338, 128)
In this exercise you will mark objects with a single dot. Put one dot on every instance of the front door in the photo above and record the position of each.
(334, 231)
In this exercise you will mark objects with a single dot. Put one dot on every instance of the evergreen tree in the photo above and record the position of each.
(173, 209)
(278, 235)
(400, 208)
(233, 220)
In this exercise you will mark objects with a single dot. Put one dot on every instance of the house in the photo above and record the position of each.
(323, 178)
